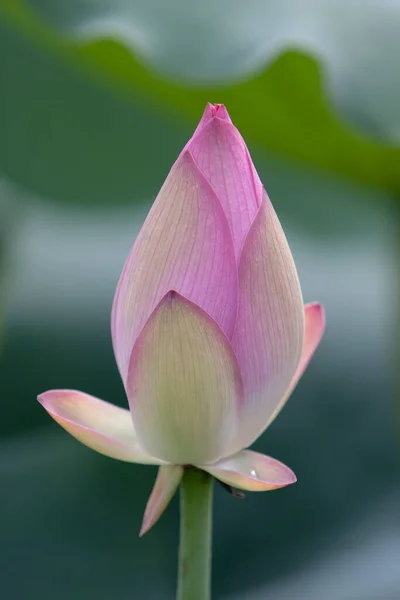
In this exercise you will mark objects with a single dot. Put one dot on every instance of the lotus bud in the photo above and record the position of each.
(209, 329)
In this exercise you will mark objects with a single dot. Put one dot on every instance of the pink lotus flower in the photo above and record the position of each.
(209, 328)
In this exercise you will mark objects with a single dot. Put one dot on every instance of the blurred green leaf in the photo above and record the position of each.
(244, 36)
(283, 108)
(62, 137)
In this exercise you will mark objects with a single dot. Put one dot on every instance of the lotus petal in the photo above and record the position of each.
(184, 385)
(248, 470)
(168, 479)
(313, 331)
(99, 425)
(211, 111)
(221, 153)
(185, 244)
(269, 333)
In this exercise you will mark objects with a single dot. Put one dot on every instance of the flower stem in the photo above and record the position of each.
(194, 569)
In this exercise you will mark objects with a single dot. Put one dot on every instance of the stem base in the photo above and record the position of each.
(194, 568)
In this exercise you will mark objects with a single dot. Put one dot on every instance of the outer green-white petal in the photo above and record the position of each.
(184, 385)
(168, 479)
(99, 425)
(252, 471)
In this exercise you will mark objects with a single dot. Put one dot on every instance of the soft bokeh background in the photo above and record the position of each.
(96, 100)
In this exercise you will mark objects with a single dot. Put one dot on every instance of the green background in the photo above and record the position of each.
(87, 135)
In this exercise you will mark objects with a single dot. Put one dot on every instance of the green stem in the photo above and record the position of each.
(194, 569)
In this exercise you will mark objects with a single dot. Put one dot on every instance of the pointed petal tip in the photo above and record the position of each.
(52, 401)
(174, 297)
(291, 477)
(43, 398)
(219, 111)
(315, 322)
(318, 309)
(147, 524)
(187, 165)
(213, 111)
(283, 476)
(143, 529)
(186, 156)
(224, 128)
